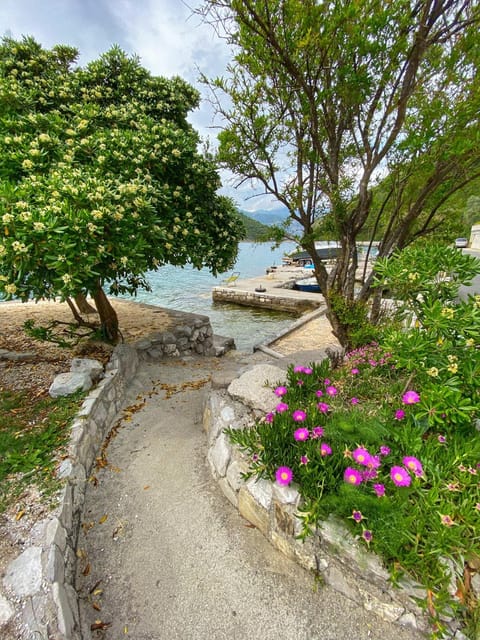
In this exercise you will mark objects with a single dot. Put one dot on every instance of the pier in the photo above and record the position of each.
(273, 290)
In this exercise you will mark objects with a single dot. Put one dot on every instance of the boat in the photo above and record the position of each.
(307, 285)
(304, 259)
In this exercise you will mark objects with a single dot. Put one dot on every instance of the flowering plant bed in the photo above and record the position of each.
(387, 442)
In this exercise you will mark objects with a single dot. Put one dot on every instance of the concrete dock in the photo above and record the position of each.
(274, 290)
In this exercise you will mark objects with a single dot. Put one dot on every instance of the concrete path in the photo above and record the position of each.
(164, 556)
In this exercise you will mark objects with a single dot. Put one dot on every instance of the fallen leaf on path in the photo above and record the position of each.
(96, 606)
(19, 515)
(99, 625)
(86, 571)
(92, 590)
(147, 486)
(103, 519)
(86, 526)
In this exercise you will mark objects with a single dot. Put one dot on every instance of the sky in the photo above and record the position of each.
(169, 39)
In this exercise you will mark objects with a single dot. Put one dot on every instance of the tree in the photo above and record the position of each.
(101, 178)
(326, 98)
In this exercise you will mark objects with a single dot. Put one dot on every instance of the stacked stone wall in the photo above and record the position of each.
(38, 596)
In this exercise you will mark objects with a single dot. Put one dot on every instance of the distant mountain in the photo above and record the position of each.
(268, 217)
(255, 230)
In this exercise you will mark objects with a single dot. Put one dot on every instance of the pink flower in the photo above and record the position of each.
(442, 439)
(299, 416)
(367, 536)
(354, 401)
(298, 369)
(326, 381)
(410, 397)
(446, 520)
(354, 372)
(357, 516)
(379, 490)
(400, 477)
(304, 460)
(284, 475)
(307, 371)
(413, 464)
(301, 434)
(280, 391)
(269, 417)
(399, 414)
(352, 476)
(369, 474)
(361, 456)
(325, 449)
(319, 393)
(317, 432)
(281, 407)
(375, 462)
(331, 391)
(323, 407)
(384, 451)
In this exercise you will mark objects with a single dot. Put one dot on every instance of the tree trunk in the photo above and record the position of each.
(339, 329)
(108, 315)
(83, 305)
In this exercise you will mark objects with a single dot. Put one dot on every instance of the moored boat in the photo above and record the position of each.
(307, 285)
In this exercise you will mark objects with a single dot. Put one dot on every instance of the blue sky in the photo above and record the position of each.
(169, 39)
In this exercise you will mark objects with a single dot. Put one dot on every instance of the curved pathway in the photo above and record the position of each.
(164, 556)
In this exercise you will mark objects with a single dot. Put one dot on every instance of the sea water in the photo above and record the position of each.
(189, 289)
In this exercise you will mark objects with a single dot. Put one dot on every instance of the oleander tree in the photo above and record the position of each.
(101, 178)
(327, 100)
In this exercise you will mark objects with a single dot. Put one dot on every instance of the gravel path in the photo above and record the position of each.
(163, 555)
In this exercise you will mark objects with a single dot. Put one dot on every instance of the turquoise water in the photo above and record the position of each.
(188, 289)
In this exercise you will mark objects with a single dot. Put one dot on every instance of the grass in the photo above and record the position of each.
(33, 432)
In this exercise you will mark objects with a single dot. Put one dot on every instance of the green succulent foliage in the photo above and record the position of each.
(100, 175)
(439, 345)
(427, 527)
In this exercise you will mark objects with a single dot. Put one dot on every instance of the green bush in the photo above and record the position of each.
(388, 440)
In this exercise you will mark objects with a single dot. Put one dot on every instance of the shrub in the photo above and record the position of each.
(387, 441)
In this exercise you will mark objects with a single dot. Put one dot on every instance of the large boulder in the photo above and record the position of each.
(255, 387)
(67, 383)
(87, 365)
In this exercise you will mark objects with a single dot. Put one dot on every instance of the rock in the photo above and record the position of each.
(219, 456)
(17, 356)
(87, 365)
(24, 574)
(6, 611)
(67, 383)
(255, 387)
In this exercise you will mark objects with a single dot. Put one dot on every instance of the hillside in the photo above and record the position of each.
(254, 230)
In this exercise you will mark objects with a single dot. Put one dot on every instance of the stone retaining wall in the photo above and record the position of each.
(38, 594)
(331, 552)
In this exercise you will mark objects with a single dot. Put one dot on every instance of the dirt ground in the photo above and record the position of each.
(47, 359)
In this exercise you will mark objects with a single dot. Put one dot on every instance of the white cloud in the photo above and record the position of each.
(169, 39)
